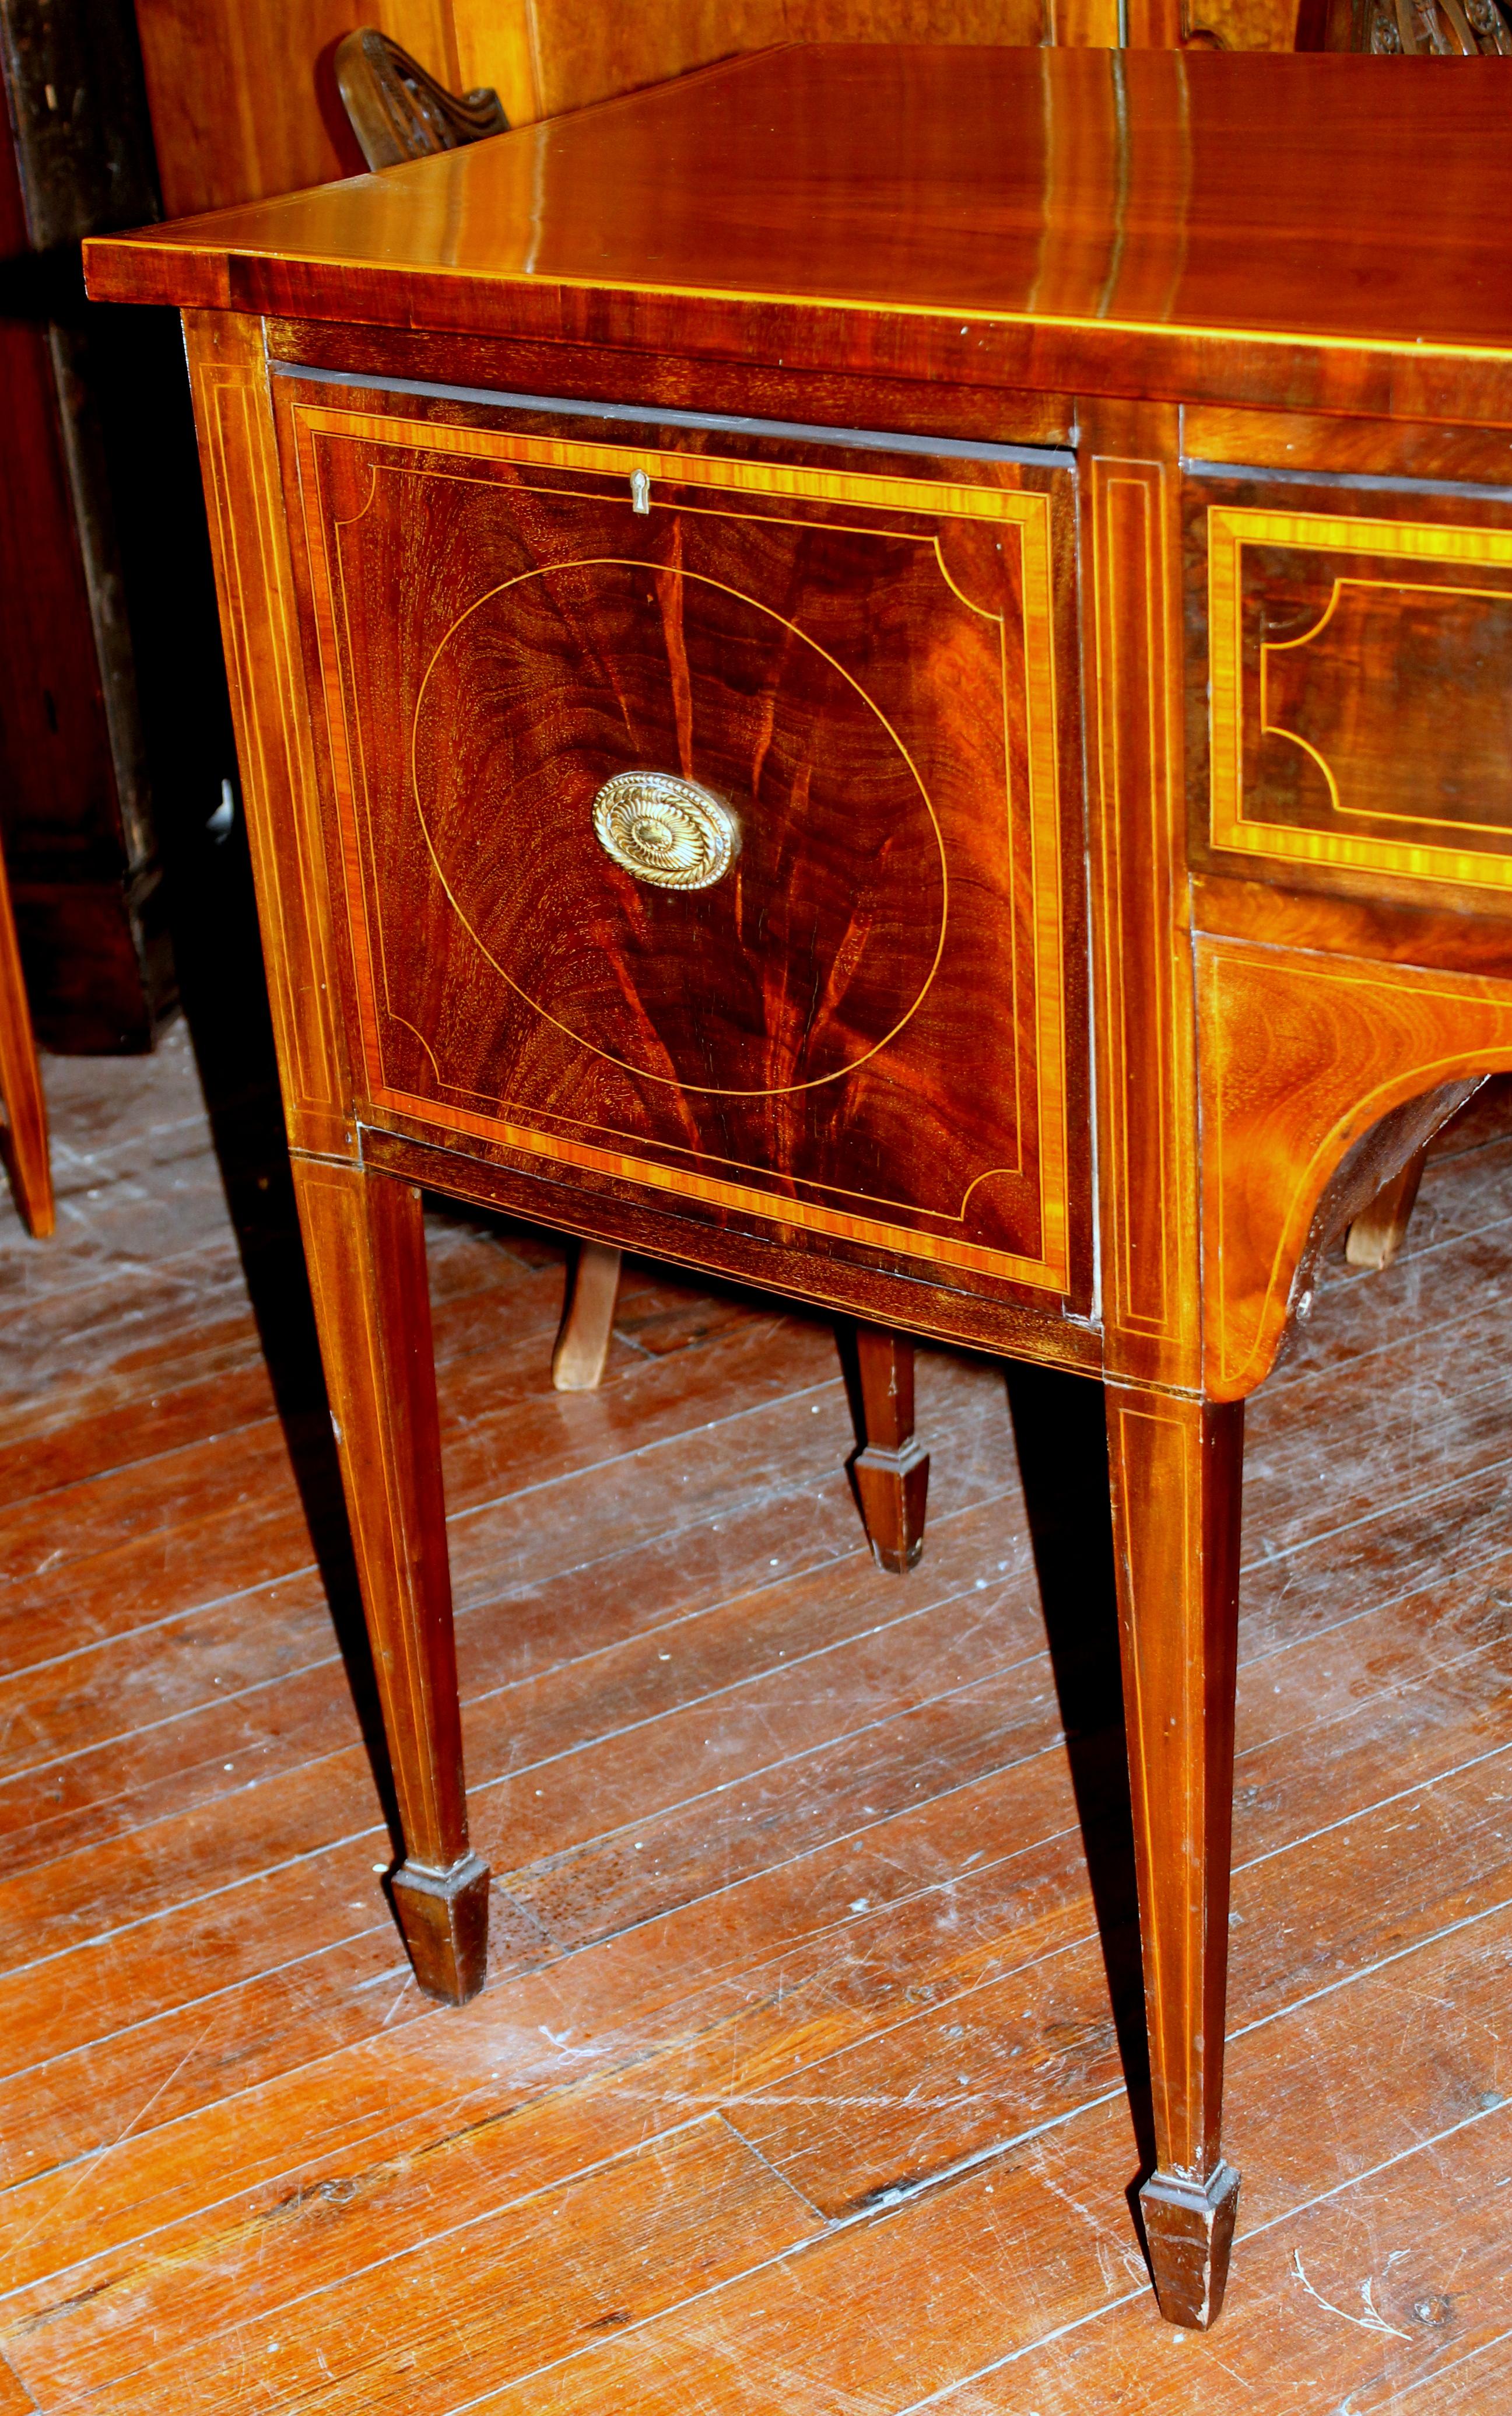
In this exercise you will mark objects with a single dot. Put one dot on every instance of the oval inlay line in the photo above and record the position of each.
(448, 874)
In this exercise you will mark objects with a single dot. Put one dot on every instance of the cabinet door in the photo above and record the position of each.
(699, 828)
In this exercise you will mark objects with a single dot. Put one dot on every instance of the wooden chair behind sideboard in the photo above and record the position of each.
(397, 108)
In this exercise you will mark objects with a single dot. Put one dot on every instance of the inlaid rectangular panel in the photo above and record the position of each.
(699, 825)
(1361, 693)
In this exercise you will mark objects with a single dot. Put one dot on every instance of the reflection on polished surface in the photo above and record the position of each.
(1314, 195)
(1063, 503)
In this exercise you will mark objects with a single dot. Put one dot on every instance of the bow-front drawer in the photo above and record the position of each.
(1353, 677)
(698, 817)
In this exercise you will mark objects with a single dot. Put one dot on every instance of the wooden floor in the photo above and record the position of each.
(795, 2086)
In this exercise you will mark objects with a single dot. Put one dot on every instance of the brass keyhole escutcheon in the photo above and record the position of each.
(666, 830)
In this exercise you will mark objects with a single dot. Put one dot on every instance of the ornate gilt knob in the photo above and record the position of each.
(665, 830)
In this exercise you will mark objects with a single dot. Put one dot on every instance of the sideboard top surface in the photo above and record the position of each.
(1331, 201)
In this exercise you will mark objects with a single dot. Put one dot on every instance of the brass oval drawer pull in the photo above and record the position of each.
(665, 830)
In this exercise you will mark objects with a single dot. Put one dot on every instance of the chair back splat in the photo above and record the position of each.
(399, 112)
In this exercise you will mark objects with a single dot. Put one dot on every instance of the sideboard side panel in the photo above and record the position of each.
(271, 711)
(1304, 1061)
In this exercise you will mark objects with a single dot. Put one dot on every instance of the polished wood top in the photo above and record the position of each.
(1347, 201)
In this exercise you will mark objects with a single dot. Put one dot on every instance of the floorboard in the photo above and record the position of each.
(796, 2082)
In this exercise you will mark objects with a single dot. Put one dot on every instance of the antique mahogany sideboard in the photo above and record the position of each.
(890, 671)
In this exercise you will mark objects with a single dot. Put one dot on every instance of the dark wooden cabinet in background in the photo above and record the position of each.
(76, 801)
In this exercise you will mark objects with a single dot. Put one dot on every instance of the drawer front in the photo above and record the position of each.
(1360, 676)
(700, 827)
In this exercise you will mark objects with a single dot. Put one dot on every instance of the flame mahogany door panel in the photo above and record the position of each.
(858, 1028)
(854, 1030)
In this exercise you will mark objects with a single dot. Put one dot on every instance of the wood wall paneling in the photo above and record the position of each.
(581, 54)
(228, 132)
(237, 107)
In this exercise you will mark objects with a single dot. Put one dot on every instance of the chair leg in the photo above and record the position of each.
(891, 1468)
(1379, 1230)
(365, 1244)
(587, 1318)
(1175, 1467)
(21, 1087)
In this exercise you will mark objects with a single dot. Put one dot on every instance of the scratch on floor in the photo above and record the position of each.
(92, 2163)
(1371, 2321)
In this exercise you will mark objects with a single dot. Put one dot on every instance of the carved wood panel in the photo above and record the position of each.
(1361, 693)
(853, 1023)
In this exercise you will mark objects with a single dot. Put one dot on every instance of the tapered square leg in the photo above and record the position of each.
(443, 1919)
(21, 1087)
(364, 1246)
(1189, 2230)
(891, 1468)
(1175, 1465)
